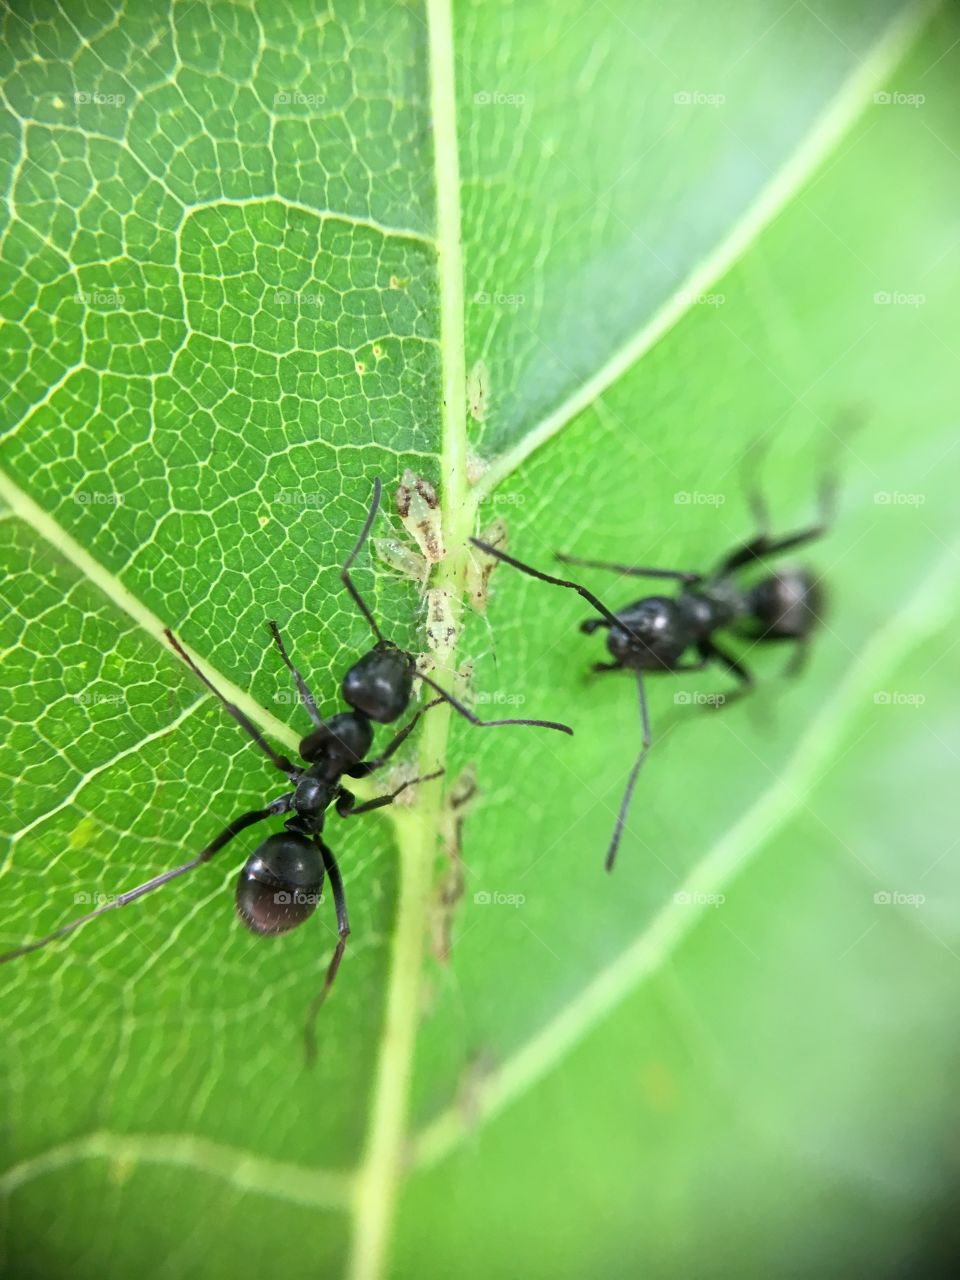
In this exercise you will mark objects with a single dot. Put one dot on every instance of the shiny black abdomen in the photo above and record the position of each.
(785, 604)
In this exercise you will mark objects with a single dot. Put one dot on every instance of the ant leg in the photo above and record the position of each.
(347, 808)
(631, 571)
(800, 656)
(632, 780)
(548, 577)
(281, 762)
(486, 724)
(366, 767)
(348, 565)
(711, 651)
(762, 545)
(343, 930)
(599, 667)
(306, 697)
(281, 805)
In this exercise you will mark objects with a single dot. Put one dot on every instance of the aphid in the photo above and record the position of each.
(656, 633)
(280, 884)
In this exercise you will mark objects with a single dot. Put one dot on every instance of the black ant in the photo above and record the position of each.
(281, 882)
(655, 633)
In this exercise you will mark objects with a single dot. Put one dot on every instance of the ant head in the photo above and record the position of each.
(380, 684)
(279, 886)
(341, 741)
(651, 634)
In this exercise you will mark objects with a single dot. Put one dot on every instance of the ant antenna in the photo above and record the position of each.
(483, 724)
(348, 564)
(597, 603)
(632, 780)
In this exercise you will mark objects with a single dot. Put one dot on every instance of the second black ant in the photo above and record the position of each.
(657, 633)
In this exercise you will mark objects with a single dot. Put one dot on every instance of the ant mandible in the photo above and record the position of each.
(654, 634)
(281, 882)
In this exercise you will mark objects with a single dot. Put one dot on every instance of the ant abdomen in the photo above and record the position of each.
(279, 886)
(788, 603)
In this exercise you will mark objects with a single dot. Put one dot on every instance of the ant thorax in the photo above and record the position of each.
(709, 607)
(314, 793)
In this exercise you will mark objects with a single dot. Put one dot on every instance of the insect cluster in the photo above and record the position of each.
(280, 884)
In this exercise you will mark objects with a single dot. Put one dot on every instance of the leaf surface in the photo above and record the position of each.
(237, 292)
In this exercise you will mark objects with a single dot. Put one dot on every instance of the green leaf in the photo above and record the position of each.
(250, 258)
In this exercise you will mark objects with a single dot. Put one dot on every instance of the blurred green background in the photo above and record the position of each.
(684, 229)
